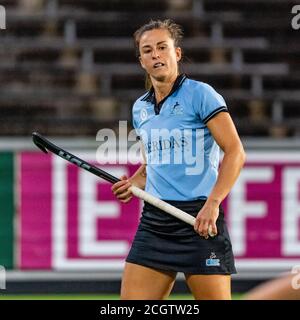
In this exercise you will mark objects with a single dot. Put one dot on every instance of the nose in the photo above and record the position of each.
(155, 54)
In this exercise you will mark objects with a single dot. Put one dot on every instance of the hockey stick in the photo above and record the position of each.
(45, 145)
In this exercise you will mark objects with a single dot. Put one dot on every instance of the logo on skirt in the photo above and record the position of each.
(213, 261)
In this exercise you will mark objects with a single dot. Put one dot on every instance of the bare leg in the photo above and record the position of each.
(209, 287)
(276, 289)
(143, 283)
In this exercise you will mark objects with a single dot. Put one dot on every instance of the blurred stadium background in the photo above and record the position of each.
(68, 68)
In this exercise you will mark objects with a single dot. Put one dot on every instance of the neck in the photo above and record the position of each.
(163, 88)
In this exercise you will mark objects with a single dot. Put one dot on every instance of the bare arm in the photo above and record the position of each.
(225, 134)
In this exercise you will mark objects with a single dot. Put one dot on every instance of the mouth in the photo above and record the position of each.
(158, 65)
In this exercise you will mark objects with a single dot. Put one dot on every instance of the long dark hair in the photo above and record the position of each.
(174, 29)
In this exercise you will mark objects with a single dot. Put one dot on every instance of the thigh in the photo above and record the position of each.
(209, 287)
(277, 289)
(143, 283)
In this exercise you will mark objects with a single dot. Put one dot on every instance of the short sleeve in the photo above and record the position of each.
(207, 102)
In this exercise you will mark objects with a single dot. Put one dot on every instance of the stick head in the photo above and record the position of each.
(36, 138)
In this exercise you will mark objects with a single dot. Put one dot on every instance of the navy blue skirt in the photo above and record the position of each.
(166, 243)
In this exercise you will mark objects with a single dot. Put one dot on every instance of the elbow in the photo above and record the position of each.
(242, 156)
(238, 155)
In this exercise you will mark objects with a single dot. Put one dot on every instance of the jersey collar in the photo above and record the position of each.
(150, 96)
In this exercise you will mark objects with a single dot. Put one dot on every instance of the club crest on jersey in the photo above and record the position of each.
(143, 114)
(213, 261)
(176, 109)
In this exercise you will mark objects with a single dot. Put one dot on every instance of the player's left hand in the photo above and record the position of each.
(205, 223)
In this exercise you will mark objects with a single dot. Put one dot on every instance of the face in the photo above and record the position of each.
(158, 55)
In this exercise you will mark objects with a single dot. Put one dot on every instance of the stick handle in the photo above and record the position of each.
(162, 205)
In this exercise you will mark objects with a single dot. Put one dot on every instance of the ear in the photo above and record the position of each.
(178, 53)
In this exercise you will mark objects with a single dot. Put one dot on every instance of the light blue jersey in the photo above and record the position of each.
(182, 156)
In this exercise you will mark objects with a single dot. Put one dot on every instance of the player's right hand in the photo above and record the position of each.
(120, 189)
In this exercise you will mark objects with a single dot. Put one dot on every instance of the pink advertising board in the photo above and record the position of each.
(69, 219)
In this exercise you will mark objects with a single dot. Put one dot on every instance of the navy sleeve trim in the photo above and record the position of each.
(215, 112)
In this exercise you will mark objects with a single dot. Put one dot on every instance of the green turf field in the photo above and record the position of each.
(86, 297)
